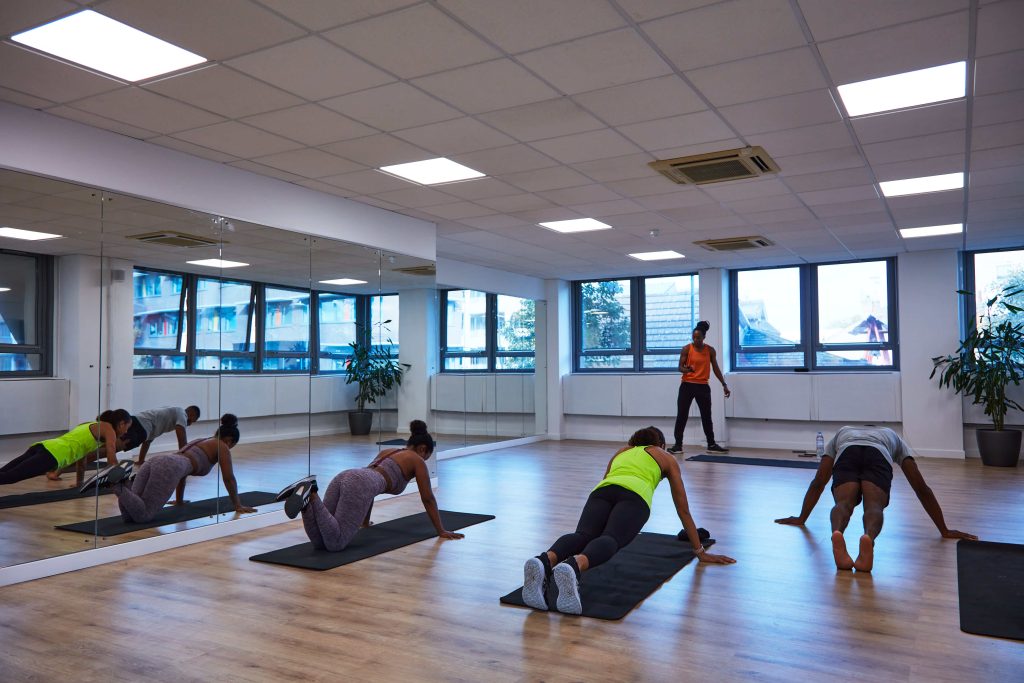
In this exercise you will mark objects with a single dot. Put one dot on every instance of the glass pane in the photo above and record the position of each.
(616, 362)
(472, 363)
(671, 310)
(157, 304)
(516, 363)
(467, 322)
(661, 361)
(769, 307)
(286, 364)
(792, 359)
(605, 308)
(516, 324)
(384, 321)
(18, 300)
(20, 362)
(993, 272)
(223, 316)
(332, 364)
(337, 326)
(226, 364)
(853, 303)
(880, 358)
(286, 323)
(158, 362)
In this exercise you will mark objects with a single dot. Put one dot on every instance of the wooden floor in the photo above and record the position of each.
(430, 612)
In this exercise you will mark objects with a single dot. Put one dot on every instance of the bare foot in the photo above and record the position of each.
(866, 558)
(54, 475)
(843, 559)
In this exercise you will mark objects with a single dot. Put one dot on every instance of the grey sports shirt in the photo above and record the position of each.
(883, 439)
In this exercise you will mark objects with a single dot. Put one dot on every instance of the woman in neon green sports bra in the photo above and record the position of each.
(72, 448)
(616, 510)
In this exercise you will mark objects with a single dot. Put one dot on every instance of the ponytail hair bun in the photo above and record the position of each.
(228, 428)
(420, 436)
(703, 326)
(418, 427)
(229, 420)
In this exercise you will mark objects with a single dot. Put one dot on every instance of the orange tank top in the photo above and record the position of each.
(700, 361)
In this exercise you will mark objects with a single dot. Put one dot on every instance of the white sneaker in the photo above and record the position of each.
(535, 582)
(568, 589)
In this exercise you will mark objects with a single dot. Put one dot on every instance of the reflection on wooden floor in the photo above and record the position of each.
(29, 533)
(430, 612)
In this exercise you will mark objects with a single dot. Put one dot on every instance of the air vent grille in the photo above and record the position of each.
(175, 239)
(736, 243)
(425, 271)
(717, 167)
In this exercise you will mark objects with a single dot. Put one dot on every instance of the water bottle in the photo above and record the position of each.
(819, 444)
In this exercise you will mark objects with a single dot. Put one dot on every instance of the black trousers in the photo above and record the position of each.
(32, 463)
(688, 391)
(611, 518)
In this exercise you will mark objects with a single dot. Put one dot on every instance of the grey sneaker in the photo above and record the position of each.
(568, 589)
(535, 583)
(715, 448)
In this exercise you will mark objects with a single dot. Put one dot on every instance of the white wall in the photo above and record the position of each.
(418, 346)
(484, 404)
(457, 274)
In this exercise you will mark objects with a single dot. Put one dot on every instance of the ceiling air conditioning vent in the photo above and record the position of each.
(426, 271)
(736, 243)
(175, 239)
(717, 167)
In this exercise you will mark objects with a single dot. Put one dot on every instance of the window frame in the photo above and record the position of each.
(184, 328)
(490, 352)
(261, 332)
(250, 331)
(45, 312)
(969, 304)
(362, 308)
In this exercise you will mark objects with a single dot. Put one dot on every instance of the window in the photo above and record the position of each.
(286, 329)
(633, 324)
(24, 314)
(384, 322)
(988, 274)
(487, 332)
(336, 329)
(224, 330)
(160, 321)
(828, 316)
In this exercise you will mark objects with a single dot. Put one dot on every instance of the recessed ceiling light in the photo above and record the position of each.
(932, 230)
(5, 289)
(910, 89)
(101, 43)
(16, 234)
(432, 171)
(657, 255)
(343, 281)
(217, 263)
(932, 183)
(576, 225)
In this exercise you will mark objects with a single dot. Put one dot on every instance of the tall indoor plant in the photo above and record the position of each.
(989, 360)
(376, 371)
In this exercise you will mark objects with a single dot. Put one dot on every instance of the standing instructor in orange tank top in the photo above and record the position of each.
(696, 361)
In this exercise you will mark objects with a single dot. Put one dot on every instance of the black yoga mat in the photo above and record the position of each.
(767, 462)
(115, 526)
(51, 496)
(611, 590)
(377, 539)
(392, 442)
(991, 581)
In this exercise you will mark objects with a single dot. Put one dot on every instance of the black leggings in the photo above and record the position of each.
(688, 391)
(33, 462)
(611, 518)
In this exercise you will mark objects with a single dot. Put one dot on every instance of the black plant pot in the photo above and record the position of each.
(999, 449)
(360, 422)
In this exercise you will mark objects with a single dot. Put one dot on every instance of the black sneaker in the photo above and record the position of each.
(568, 586)
(299, 499)
(675, 448)
(535, 584)
(108, 476)
(715, 448)
(291, 488)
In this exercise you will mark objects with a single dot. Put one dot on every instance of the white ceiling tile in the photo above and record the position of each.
(554, 178)
(642, 101)
(393, 107)
(311, 68)
(645, 10)
(216, 30)
(653, 183)
(746, 189)
(596, 62)
(495, 222)
(934, 214)
(542, 120)
(367, 182)
(479, 188)
(616, 207)
(194, 150)
(802, 140)
(829, 180)
(863, 206)
(816, 162)
(895, 50)
(999, 176)
(796, 215)
(415, 197)
(429, 42)
(839, 195)
(830, 19)
(501, 160)
(101, 122)
(310, 124)
(694, 39)
(23, 100)
(459, 210)
(309, 163)
(486, 87)
(999, 73)
(782, 113)
(378, 150)
(147, 110)
(677, 131)
(598, 144)
(21, 15)
(999, 27)
(528, 24)
(937, 118)
(268, 171)
(999, 135)
(223, 91)
(585, 194)
(39, 76)
(321, 186)
(949, 197)
(996, 157)
(617, 168)
(763, 204)
(921, 147)
(446, 228)
(237, 139)
(919, 168)
(641, 221)
(1002, 108)
(319, 15)
(517, 202)
(758, 78)
(876, 218)
(703, 148)
(684, 197)
(455, 136)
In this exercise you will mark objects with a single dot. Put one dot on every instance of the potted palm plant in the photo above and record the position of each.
(374, 368)
(990, 359)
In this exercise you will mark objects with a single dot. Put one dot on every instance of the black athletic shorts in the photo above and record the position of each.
(862, 463)
(135, 436)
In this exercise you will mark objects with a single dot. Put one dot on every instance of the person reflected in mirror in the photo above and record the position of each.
(612, 517)
(333, 521)
(859, 461)
(148, 425)
(142, 496)
(697, 361)
(88, 441)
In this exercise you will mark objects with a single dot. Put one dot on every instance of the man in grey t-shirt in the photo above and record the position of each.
(147, 425)
(859, 461)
